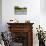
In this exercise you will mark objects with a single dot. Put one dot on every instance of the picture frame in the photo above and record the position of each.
(20, 11)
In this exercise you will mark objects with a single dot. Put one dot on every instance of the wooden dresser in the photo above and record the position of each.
(22, 33)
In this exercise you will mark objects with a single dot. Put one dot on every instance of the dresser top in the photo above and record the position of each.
(19, 23)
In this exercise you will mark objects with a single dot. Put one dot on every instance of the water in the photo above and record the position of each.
(21, 13)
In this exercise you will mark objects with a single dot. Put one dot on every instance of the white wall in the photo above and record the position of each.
(0, 15)
(43, 6)
(43, 14)
(34, 14)
(8, 11)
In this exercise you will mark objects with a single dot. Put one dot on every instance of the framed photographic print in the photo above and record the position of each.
(20, 11)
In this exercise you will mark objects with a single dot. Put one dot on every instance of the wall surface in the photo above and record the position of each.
(34, 14)
(0, 15)
(33, 11)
